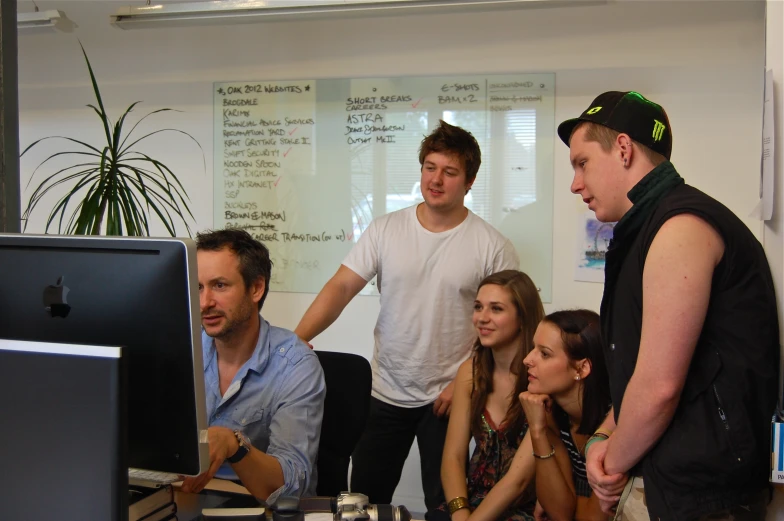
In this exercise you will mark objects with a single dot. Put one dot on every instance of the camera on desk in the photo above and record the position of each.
(355, 507)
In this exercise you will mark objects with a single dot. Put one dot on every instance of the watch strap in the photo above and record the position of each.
(242, 449)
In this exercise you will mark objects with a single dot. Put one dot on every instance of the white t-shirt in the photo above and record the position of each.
(428, 284)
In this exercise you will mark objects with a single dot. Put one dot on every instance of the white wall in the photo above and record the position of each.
(773, 233)
(702, 60)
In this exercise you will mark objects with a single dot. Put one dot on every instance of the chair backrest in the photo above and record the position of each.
(348, 380)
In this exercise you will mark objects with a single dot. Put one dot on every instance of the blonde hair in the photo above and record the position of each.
(606, 136)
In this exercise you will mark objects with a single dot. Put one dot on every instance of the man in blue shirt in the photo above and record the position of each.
(264, 387)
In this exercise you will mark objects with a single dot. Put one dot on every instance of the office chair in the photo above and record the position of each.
(348, 380)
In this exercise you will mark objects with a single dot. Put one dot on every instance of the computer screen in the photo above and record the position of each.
(140, 294)
(62, 433)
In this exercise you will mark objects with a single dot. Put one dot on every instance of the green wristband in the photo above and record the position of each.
(593, 439)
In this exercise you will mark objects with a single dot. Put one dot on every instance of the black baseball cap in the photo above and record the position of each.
(630, 113)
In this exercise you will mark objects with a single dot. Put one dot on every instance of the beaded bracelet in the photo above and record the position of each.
(552, 453)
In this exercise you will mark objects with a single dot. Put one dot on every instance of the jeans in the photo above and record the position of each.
(633, 507)
(377, 461)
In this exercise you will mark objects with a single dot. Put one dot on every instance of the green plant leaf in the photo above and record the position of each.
(63, 202)
(134, 219)
(125, 150)
(122, 145)
(153, 198)
(179, 190)
(97, 92)
(120, 188)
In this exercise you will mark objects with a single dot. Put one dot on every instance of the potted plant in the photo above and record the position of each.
(112, 187)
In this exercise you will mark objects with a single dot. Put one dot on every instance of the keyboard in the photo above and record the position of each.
(152, 476)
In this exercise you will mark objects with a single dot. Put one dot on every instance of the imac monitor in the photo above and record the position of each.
(63, 432)
(140, 294)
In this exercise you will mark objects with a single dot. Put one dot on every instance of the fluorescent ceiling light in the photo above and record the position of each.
(38, 19)
(248, 11)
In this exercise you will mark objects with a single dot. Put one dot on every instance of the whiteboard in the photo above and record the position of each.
(305, 165)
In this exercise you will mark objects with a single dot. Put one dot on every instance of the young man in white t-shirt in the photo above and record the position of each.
(429, 260)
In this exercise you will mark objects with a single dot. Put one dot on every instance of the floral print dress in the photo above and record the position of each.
(492, 457)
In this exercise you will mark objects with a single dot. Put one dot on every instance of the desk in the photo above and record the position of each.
(189, 506)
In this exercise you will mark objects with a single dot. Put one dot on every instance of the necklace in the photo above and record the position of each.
(573, 426)
(577, 445)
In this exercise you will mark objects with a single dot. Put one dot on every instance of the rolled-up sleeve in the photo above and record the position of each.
(295, 426)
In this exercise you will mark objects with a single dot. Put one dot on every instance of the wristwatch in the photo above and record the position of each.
(242, 450)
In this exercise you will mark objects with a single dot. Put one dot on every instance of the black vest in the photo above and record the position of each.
(716, 451)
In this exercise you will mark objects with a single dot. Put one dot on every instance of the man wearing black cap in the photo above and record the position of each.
(689, 324)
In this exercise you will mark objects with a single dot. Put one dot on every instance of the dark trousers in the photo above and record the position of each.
(377, 461)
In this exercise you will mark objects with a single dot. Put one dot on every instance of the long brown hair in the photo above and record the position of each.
(530, 311)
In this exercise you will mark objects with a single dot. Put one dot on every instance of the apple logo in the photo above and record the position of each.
(55, 299)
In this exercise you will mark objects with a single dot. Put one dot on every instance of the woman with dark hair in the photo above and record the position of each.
(568, 389)
(499, 481)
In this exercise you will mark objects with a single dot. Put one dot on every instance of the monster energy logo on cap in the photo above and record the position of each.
(658, 130)
(629, 113)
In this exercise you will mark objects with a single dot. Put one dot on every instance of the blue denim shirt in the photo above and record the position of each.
(277, 400)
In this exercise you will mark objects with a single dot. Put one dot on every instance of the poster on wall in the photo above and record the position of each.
(593, 239)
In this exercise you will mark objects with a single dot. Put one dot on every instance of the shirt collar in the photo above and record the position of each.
(258, 359)
(645, 196)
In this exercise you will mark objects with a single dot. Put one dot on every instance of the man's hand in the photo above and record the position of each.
(608, 488)
(540, 514)
(443, 403)
(223, 444)
(608, 507)
(536, 407)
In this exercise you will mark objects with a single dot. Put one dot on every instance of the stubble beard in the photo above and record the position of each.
(236, 324)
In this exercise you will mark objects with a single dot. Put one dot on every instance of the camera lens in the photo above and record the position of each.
(385, 513)
(403, 514)
(388, 513)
